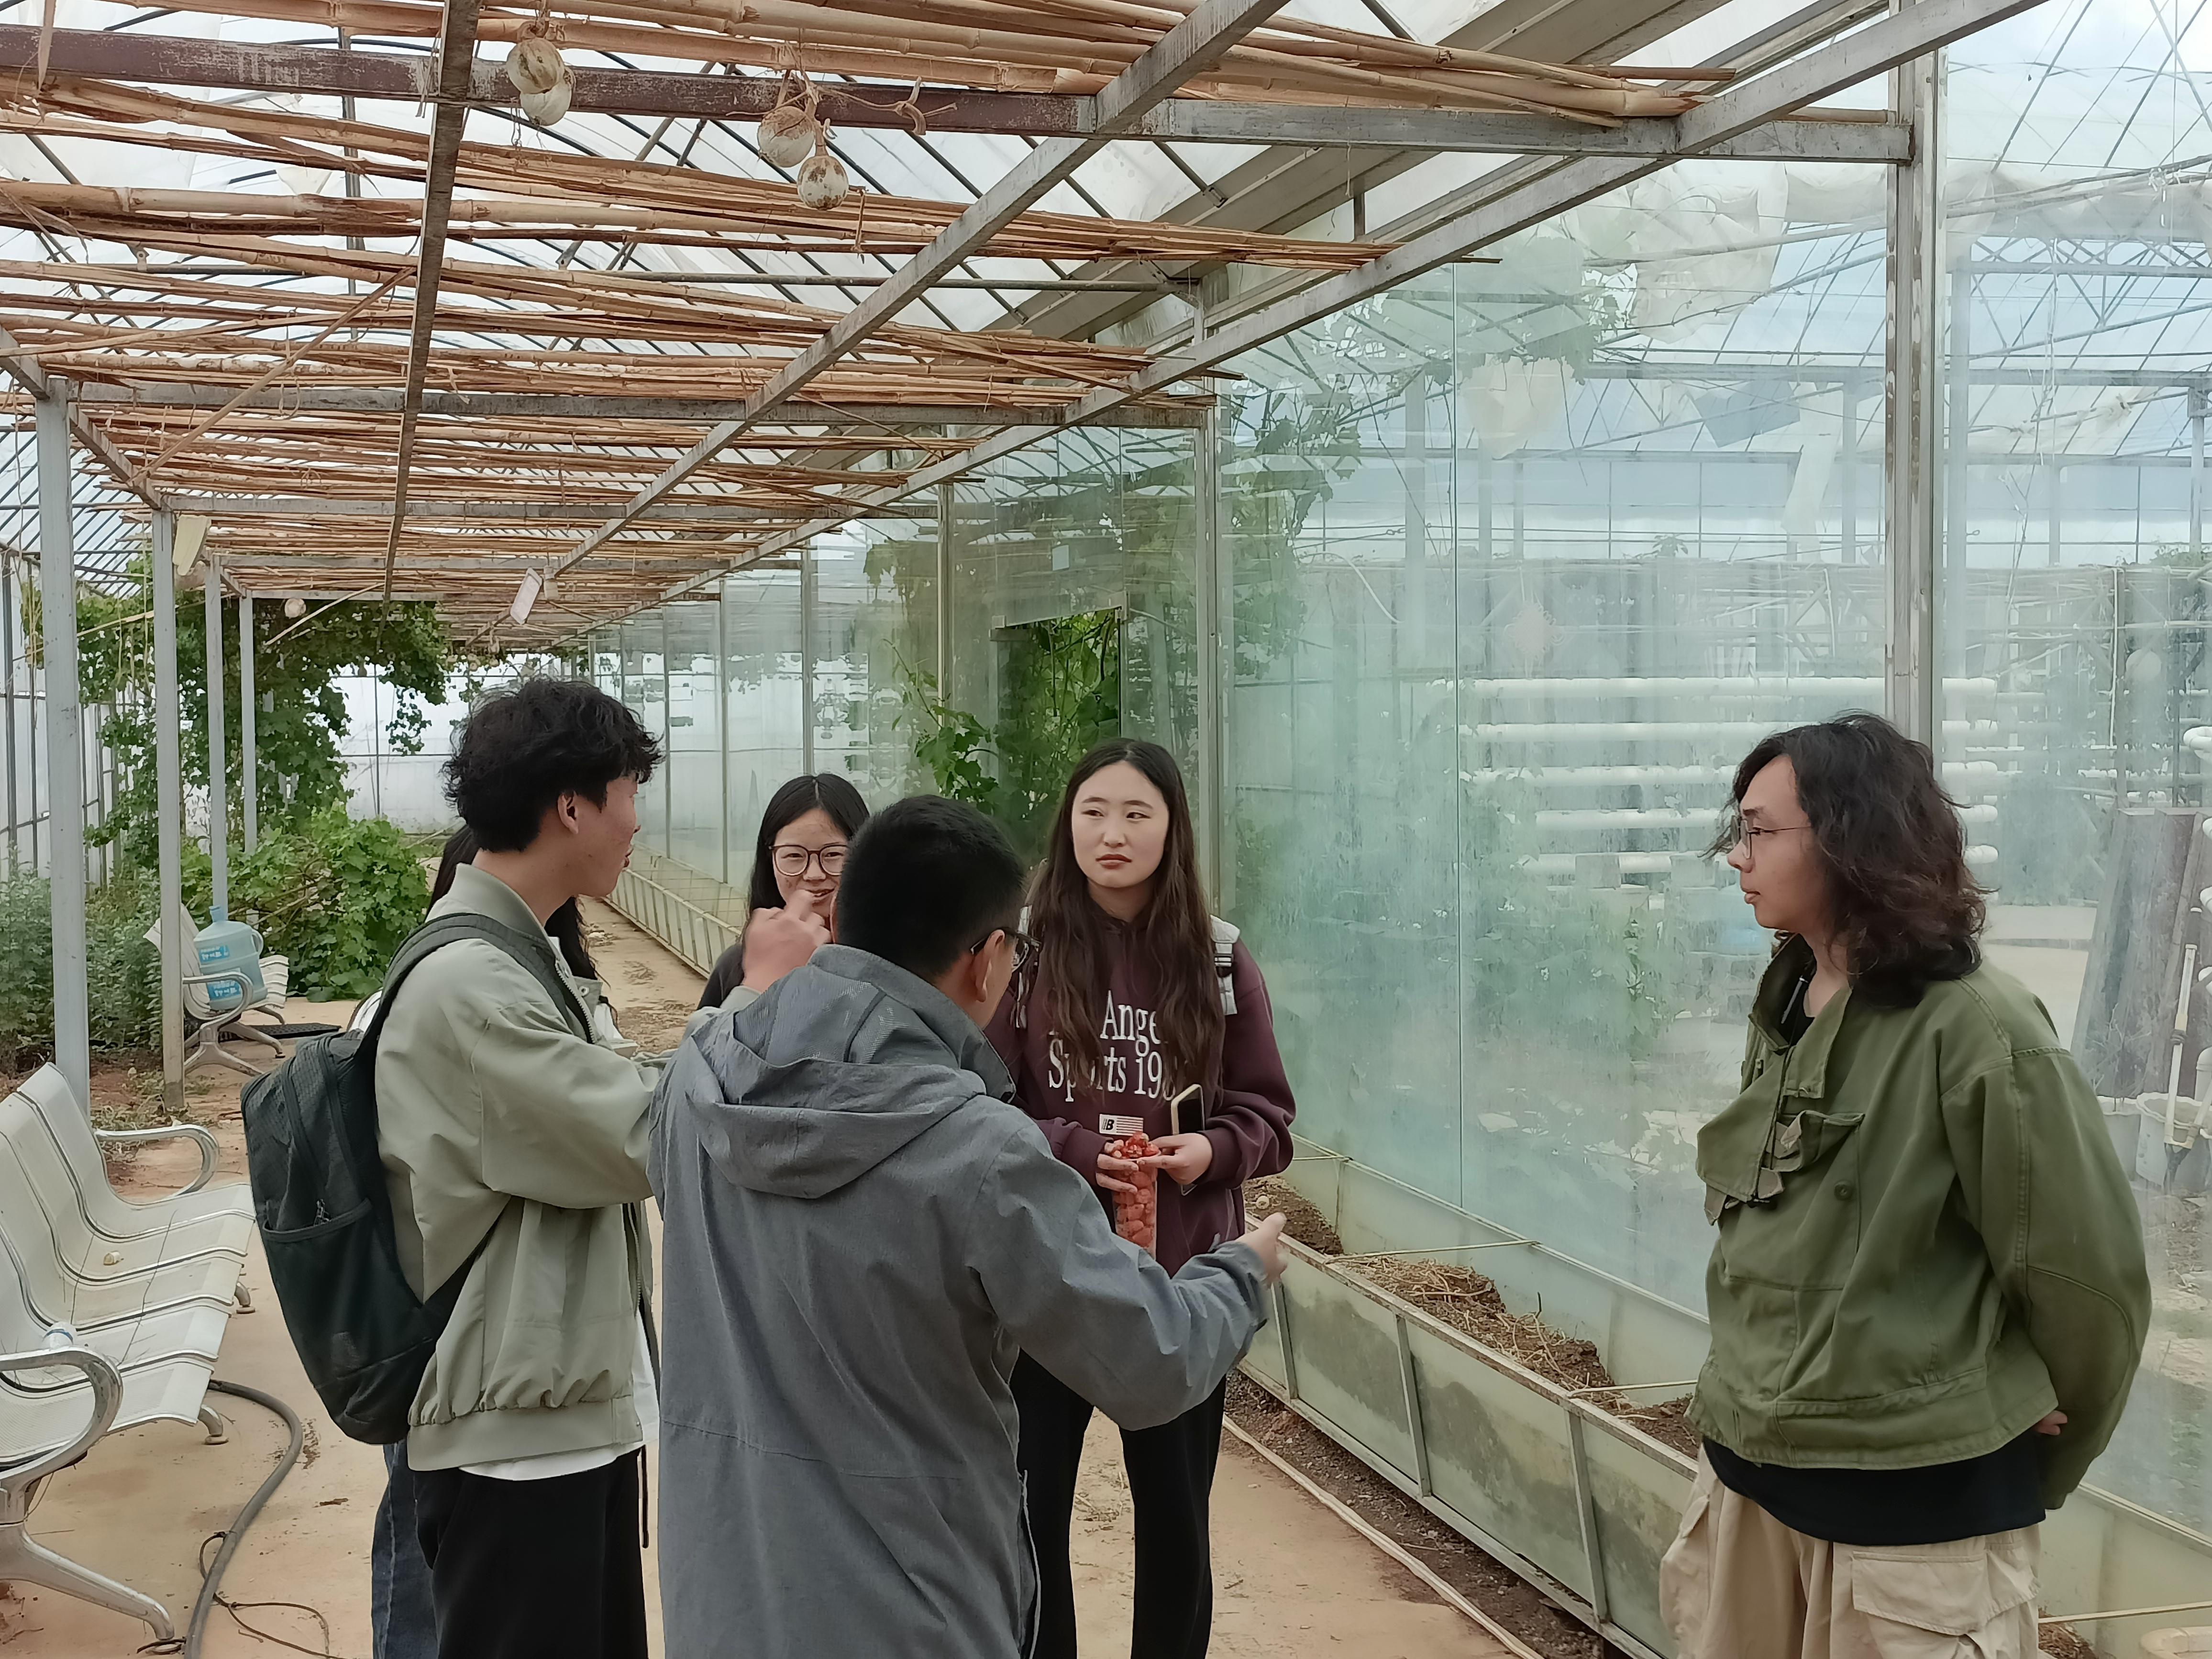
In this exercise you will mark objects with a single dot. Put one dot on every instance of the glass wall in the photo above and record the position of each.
(2074, 582)
(1073, 592)
(1520, 559)
(1524, 556)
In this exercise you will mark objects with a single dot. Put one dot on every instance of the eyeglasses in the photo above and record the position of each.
(792, 860)
(1748, 838)
(1025, 946)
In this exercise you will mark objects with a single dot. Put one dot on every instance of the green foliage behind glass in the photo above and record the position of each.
(123, 971)
(1062, 694)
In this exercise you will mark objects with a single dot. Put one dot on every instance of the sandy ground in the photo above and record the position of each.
(1289, 1576)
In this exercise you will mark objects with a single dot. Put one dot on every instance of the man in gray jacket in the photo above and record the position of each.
(514, 1146)
(860, 1234)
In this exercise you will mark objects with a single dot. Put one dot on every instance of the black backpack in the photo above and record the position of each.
(325, 1213)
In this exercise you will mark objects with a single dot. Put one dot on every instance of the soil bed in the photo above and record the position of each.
(1301, 1219)
(1467, 1302)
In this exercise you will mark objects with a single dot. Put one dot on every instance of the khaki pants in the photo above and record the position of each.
(1738, 1584)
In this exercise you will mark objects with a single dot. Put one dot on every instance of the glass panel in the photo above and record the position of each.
(1073, 616)
(1639, 1498)
(1498, 1454)
(1525, 556)
(644, 688)
(695, 739)
(2074, 601)
(875, 636)
(760, 700)
(1345, 1346)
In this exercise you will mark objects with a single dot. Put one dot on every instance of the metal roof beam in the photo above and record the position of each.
(1191, 47)
(22, 367)
(310, 398)
(168, 61)
(1880, 46)
(435, 511)
(238, 565)
(456, 57)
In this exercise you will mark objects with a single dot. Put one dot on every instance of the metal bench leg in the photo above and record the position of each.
(208, 1050)
(254, 1033)
(211, 1420)
(244, 1298)
(25, 1561)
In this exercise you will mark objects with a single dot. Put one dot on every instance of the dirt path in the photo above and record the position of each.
(1289, 1576)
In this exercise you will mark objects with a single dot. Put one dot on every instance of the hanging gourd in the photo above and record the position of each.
(787, 136)
(789, 133)
(548, 106)
(535, 65)
(822, 180)
(539, 73)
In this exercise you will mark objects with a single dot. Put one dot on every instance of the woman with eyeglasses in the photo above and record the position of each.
(1137, 1009)
(798, 860)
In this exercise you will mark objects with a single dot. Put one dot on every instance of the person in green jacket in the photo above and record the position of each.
(512, 1136)
(1927, 1293)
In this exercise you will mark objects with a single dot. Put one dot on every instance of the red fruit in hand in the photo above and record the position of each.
(1136, 1215)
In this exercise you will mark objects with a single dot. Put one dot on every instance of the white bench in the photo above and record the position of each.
(112, 1313)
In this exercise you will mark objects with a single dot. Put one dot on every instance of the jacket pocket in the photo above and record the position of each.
(1804, 1233)
(1973, 1599)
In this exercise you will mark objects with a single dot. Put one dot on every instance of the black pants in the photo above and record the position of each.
(1170, 1486)
(535, 1569)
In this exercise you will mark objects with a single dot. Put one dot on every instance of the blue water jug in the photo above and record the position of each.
(230, 947)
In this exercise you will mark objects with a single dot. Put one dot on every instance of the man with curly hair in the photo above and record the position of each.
(1927, 1293)
(513, 1145)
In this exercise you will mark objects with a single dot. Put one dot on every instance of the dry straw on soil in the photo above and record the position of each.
(1467, 1302)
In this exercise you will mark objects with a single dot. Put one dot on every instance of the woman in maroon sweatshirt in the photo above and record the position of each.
(1138, 993)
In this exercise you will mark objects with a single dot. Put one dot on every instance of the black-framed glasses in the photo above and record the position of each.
(792, 860)
(1025, 946)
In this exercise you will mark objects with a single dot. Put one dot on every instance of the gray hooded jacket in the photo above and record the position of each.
(861, 1233)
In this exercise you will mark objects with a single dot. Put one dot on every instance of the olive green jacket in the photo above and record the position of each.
(498, 1125)
(1926, 1239)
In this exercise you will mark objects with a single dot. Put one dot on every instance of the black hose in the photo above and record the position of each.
(212, 1578)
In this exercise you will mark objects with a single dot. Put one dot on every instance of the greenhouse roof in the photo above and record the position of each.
(305, 268)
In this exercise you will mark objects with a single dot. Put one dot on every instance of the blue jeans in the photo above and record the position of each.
(403, 1623)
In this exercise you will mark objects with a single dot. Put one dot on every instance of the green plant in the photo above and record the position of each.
(122, 970)
(336, 896)
(1063, 695)
(300, 773)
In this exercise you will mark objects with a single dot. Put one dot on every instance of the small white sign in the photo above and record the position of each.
(1115, 1128)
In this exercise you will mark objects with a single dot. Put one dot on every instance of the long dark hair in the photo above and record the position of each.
(1173, 940)
(566, 924)
(795, 800)
(1906, 908)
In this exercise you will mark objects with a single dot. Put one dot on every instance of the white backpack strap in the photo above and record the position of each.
(1224, 963)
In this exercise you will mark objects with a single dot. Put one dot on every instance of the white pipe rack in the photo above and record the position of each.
(1730, 731)
(1727, 685)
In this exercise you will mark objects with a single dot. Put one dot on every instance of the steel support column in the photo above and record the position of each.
(249, 773)
(722, 719)
(9, 611)
(2196, 471)
(218, 815)
(65, 743)
(1913, 373)
(946, 507)
(169, 810)
(807, 588)
(1213, 630)
(668, 745)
